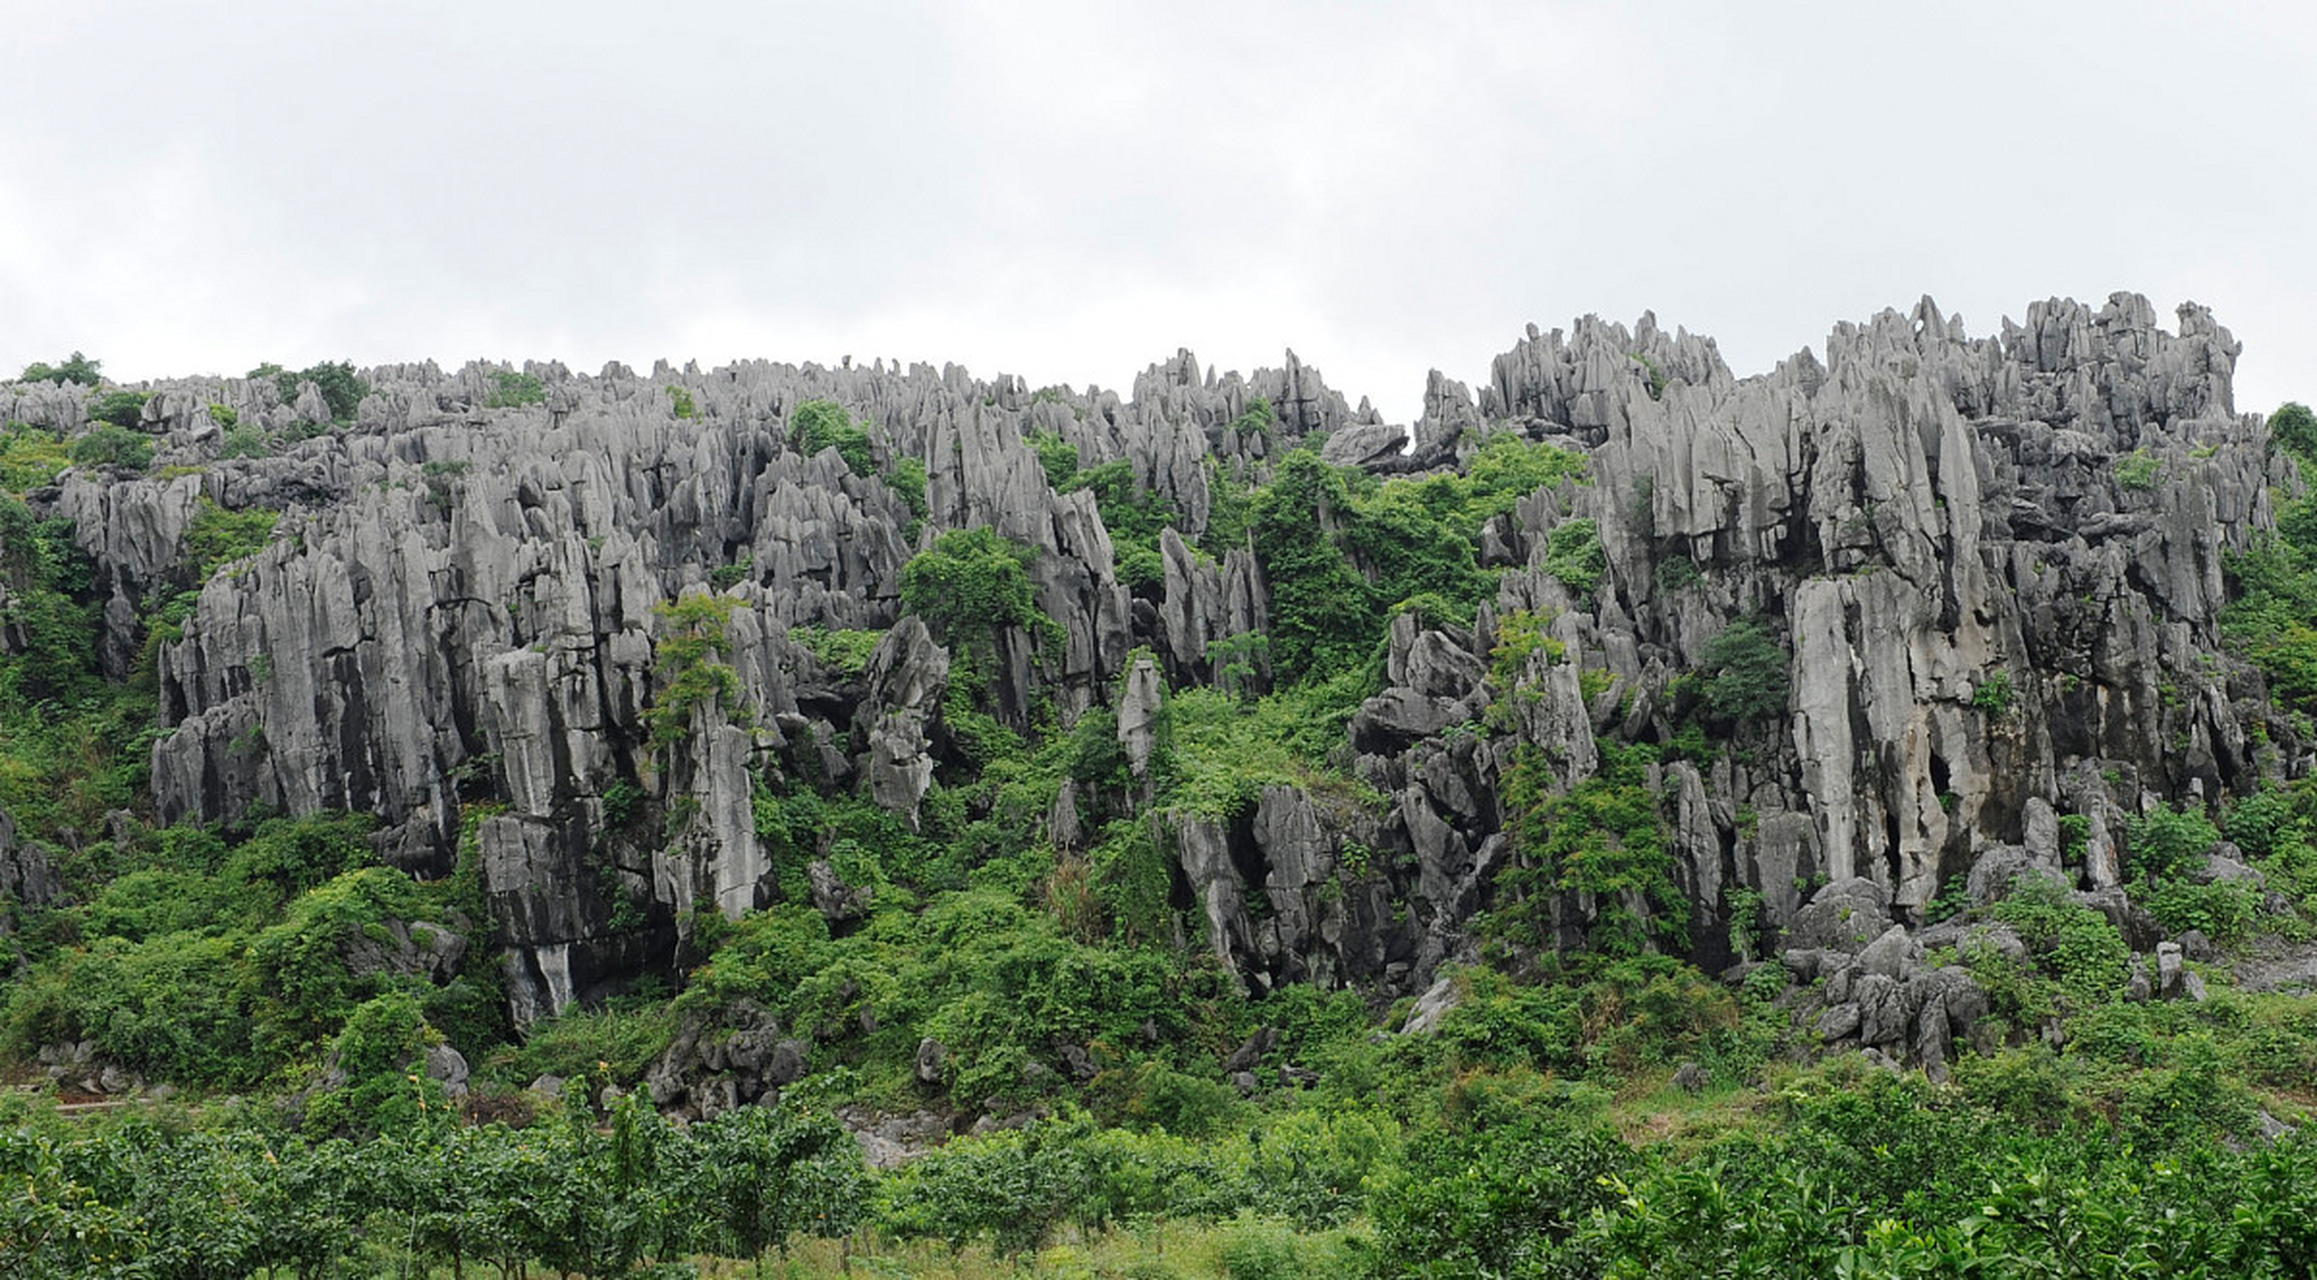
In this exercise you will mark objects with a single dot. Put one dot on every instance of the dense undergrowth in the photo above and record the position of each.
(1607, 1111)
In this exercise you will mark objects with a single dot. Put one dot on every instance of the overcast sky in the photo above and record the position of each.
(1071, 191)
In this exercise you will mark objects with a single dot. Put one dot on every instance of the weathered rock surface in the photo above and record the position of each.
(1993, 566)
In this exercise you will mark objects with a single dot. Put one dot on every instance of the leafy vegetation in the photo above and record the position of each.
(1744, 673)
(824, 424)
(1587, 1104)
(971, 582)
(511, 390)
(115, 447)
(690, 665)
(75, 368)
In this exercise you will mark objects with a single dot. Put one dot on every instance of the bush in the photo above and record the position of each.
(2138, 470)
(971, 582)
(845, 652)
(120, 408)
(511, 390)
(824, 424)
(2166, 842)
(73, 368)
(907, 480)
(341, 390)
(1573, 553)
(689, 665)
(111, 446)
(1993, 695)
(217, 537)
(2294, 429)
(1747, 673)
(1500, 1202)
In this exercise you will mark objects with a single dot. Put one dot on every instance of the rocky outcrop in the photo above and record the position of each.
(1992, 568)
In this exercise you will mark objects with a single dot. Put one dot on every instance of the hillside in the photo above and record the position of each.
(1904, 751)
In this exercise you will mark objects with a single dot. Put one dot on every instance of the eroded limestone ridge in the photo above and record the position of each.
(462, 611)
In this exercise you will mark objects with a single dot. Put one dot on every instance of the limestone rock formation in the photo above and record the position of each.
(1991, 568)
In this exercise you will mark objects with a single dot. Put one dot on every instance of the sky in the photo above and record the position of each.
(1072, 191)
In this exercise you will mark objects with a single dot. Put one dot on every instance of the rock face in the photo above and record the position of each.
(1992, 568)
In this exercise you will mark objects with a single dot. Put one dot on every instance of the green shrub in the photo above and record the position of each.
(689, 665)
(1057, 457)
(30, 457)
(1675, 573)
(971, 582)
(622, 1038)
(511, 390)
(1993, 695)
(2074, 944)
(2167, 841)
(2138, 470)
(2294, 429)
(907, 480)
(111, 446)
(1324, 615)
(842, 651)
(1503, 1201)
(217, 537)
(73, 368)
(123, 409)
(245, 441)
(1746, 673)
(2225, 910)
(824, 424)
(1573, 553)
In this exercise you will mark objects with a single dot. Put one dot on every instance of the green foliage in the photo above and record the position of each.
(1221, 753)
(111, 446)
(907, 480)
(73, 368)
(338, 384)
(618, 1041)
(1745, 672)
(1993, 695)
(243, 440)
(1573, 554)
(680, 402)
(1133, 514)
(1258, 419)
(30, 457)
(970, 583)
(2166, 842)
(845, 652)
(1323, 613)
(724, 577)
(1602, 838)
(690, 667)
(1504, 1200)
(217, 537)
(124, 409)
(1675, 573)
(1057, 457)
(2273, 618)
(73, 746)
(2074, 944)
(2225, 910)
(2138, 470)
(510, 390)
(824, 424)
(2294, 429)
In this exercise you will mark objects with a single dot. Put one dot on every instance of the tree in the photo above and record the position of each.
(971, 582)
(2294, 429)
(74, 368)
(1747, 673)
